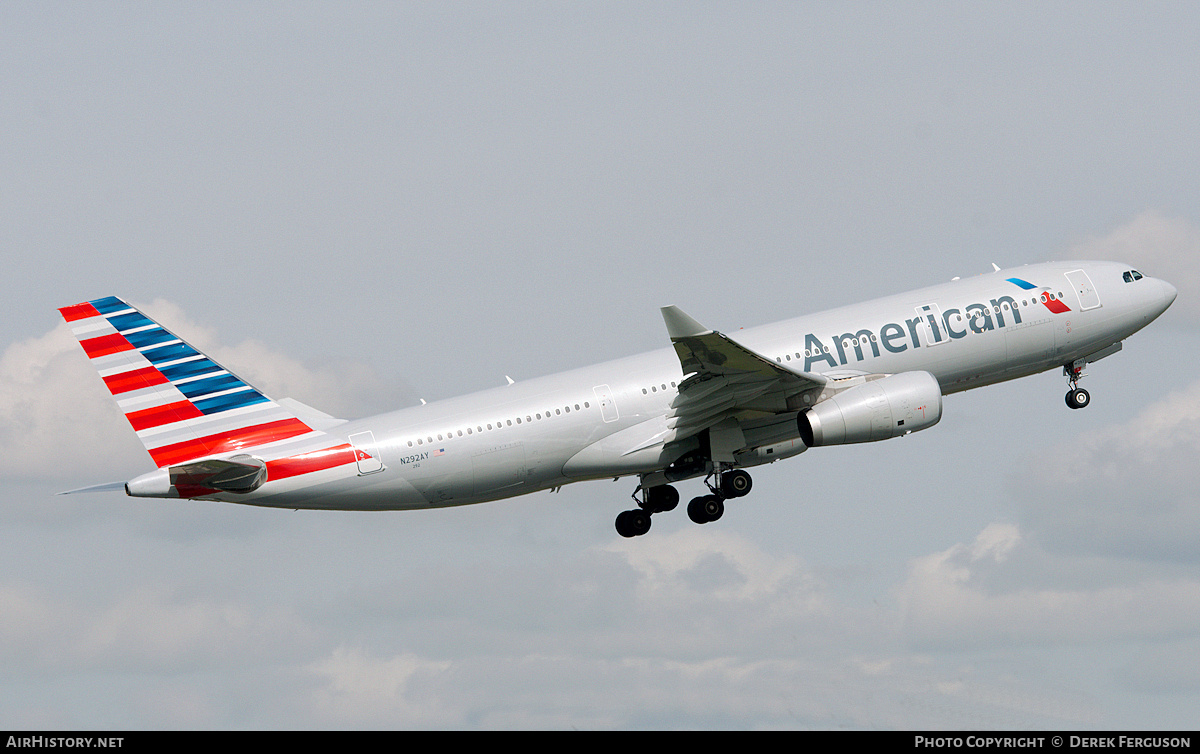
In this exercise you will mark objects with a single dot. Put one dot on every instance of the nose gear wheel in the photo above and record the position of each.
(1077, 397)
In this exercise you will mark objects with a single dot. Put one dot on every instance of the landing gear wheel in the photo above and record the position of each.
(705, 508)
(1078, 398)
(633, 523)
(661, 499)
(735, 483)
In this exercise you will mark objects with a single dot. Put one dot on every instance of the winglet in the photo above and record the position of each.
(680, 325)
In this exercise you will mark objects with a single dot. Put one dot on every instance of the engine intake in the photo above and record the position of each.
(876, 410)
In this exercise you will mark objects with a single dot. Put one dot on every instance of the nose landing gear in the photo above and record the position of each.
(1077, 397)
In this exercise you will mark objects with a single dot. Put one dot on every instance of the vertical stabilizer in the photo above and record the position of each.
(181, 403)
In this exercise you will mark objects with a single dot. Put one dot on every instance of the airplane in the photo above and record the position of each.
(709, 407)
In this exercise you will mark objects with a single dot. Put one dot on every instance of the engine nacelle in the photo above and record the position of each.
(876, 410)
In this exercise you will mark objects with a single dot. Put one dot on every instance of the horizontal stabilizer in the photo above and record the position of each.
(109, 487)
(237, 474)
(240, 474)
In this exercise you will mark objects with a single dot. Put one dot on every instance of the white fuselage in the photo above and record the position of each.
(546, 432)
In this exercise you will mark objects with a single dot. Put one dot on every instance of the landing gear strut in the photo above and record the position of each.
(1077, 397)
(702, 510)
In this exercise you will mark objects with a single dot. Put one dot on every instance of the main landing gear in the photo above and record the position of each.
(1077, 397)
(701, 510)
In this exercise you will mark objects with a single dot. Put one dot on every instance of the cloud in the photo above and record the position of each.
(983, 594)
(358, 687)
(56, 418)
(142, 629)
(710, 631)
(697, 564)
(1126, 490)
(1165, 247)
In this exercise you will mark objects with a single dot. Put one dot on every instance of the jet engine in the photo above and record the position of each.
(877, 410)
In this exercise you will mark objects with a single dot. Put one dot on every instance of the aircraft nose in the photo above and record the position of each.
(1169, 293)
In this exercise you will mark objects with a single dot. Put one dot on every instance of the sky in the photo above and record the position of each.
(362, 205)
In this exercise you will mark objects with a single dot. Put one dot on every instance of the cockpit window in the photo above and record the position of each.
(1132, 275)
(1136, 275)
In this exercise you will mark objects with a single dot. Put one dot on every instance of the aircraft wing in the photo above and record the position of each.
(724, 378)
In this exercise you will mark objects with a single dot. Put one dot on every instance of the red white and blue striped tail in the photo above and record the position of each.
(182, 404)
